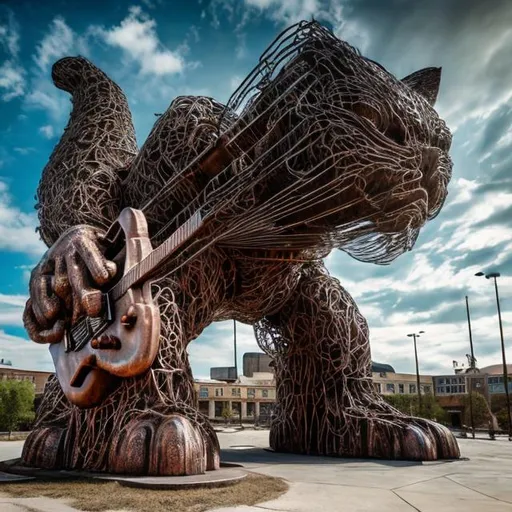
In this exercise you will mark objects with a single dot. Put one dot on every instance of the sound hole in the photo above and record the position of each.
(79, 377)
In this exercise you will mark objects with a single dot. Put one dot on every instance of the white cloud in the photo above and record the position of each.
(137, 37)
(47, 131)
(216, 347)
(13, 300)
(12, 74)
(17, 229)
(461, 191)
(24, 150)
(505, 140)
(288, 11)
(11, 309)
(438, 33)
(467, 235)
(9, 35)
(57, 43)
(12, 80)
(45, 96)
(25, 354)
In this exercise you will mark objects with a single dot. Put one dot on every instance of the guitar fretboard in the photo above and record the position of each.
(157, 256)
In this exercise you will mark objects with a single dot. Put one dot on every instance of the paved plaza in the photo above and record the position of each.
(481, 482)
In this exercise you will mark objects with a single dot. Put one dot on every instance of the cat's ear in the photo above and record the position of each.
(425, 82)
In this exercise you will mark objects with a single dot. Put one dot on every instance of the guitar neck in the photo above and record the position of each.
(157, 256)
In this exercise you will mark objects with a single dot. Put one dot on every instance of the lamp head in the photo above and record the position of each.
(479, 274)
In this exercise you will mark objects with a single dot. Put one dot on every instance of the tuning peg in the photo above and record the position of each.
(106, 342)
(129, 318)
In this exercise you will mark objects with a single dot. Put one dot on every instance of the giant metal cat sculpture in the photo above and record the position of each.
(319, 148)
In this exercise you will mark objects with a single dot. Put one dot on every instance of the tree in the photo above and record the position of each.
(499, 408)
(227, 414)
(408, 404)
(481, 414)
(16, 404)
(431, 409)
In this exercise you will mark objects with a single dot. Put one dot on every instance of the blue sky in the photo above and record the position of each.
(156, 50)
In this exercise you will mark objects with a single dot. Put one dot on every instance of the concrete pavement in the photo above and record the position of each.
(484, 482)
(10, 449)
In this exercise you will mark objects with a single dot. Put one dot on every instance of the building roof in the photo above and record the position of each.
(381, 368)
(496, 369)
(9, 367)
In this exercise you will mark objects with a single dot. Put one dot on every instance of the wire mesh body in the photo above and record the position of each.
(319, 148)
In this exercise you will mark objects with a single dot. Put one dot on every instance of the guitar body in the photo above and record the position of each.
(129, 345)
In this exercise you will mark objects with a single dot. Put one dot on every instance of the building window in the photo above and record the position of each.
(390, 388)
(204, 407)
(412, 388)
(203, 392)
(264, 393)
(219, 392)
(219, 407)
(378, 387)
(251, 408)
(427, 389)
(235, 391)
(251, 393)
(401, 389)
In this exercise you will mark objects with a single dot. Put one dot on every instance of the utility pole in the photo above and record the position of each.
(236, 370)
(234, 346)
(414, 336)
(472, 365)
(495, 275)
(505, 370)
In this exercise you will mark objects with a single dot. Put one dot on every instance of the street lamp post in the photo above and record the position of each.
(414, 336)
(236, 369)
(472, 364)
(495, 275)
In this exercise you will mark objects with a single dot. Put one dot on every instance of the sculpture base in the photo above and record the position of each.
(228, 474)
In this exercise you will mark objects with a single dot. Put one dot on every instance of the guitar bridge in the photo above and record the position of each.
(89, 327)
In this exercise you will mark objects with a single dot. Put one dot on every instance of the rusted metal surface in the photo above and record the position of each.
(320, 148)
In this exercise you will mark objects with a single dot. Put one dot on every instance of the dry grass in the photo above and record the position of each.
(98, 496)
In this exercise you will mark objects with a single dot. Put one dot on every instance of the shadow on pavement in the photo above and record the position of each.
(239, 455)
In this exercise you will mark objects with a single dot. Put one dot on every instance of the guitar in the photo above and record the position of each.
(124, 342)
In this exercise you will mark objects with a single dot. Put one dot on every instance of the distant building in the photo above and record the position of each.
(254, 393)
(253, 396)
(382, 368)
(256, 362)
(390, 383)
(451, 390)
(225, 373)
(495, 382)
(38, 378)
